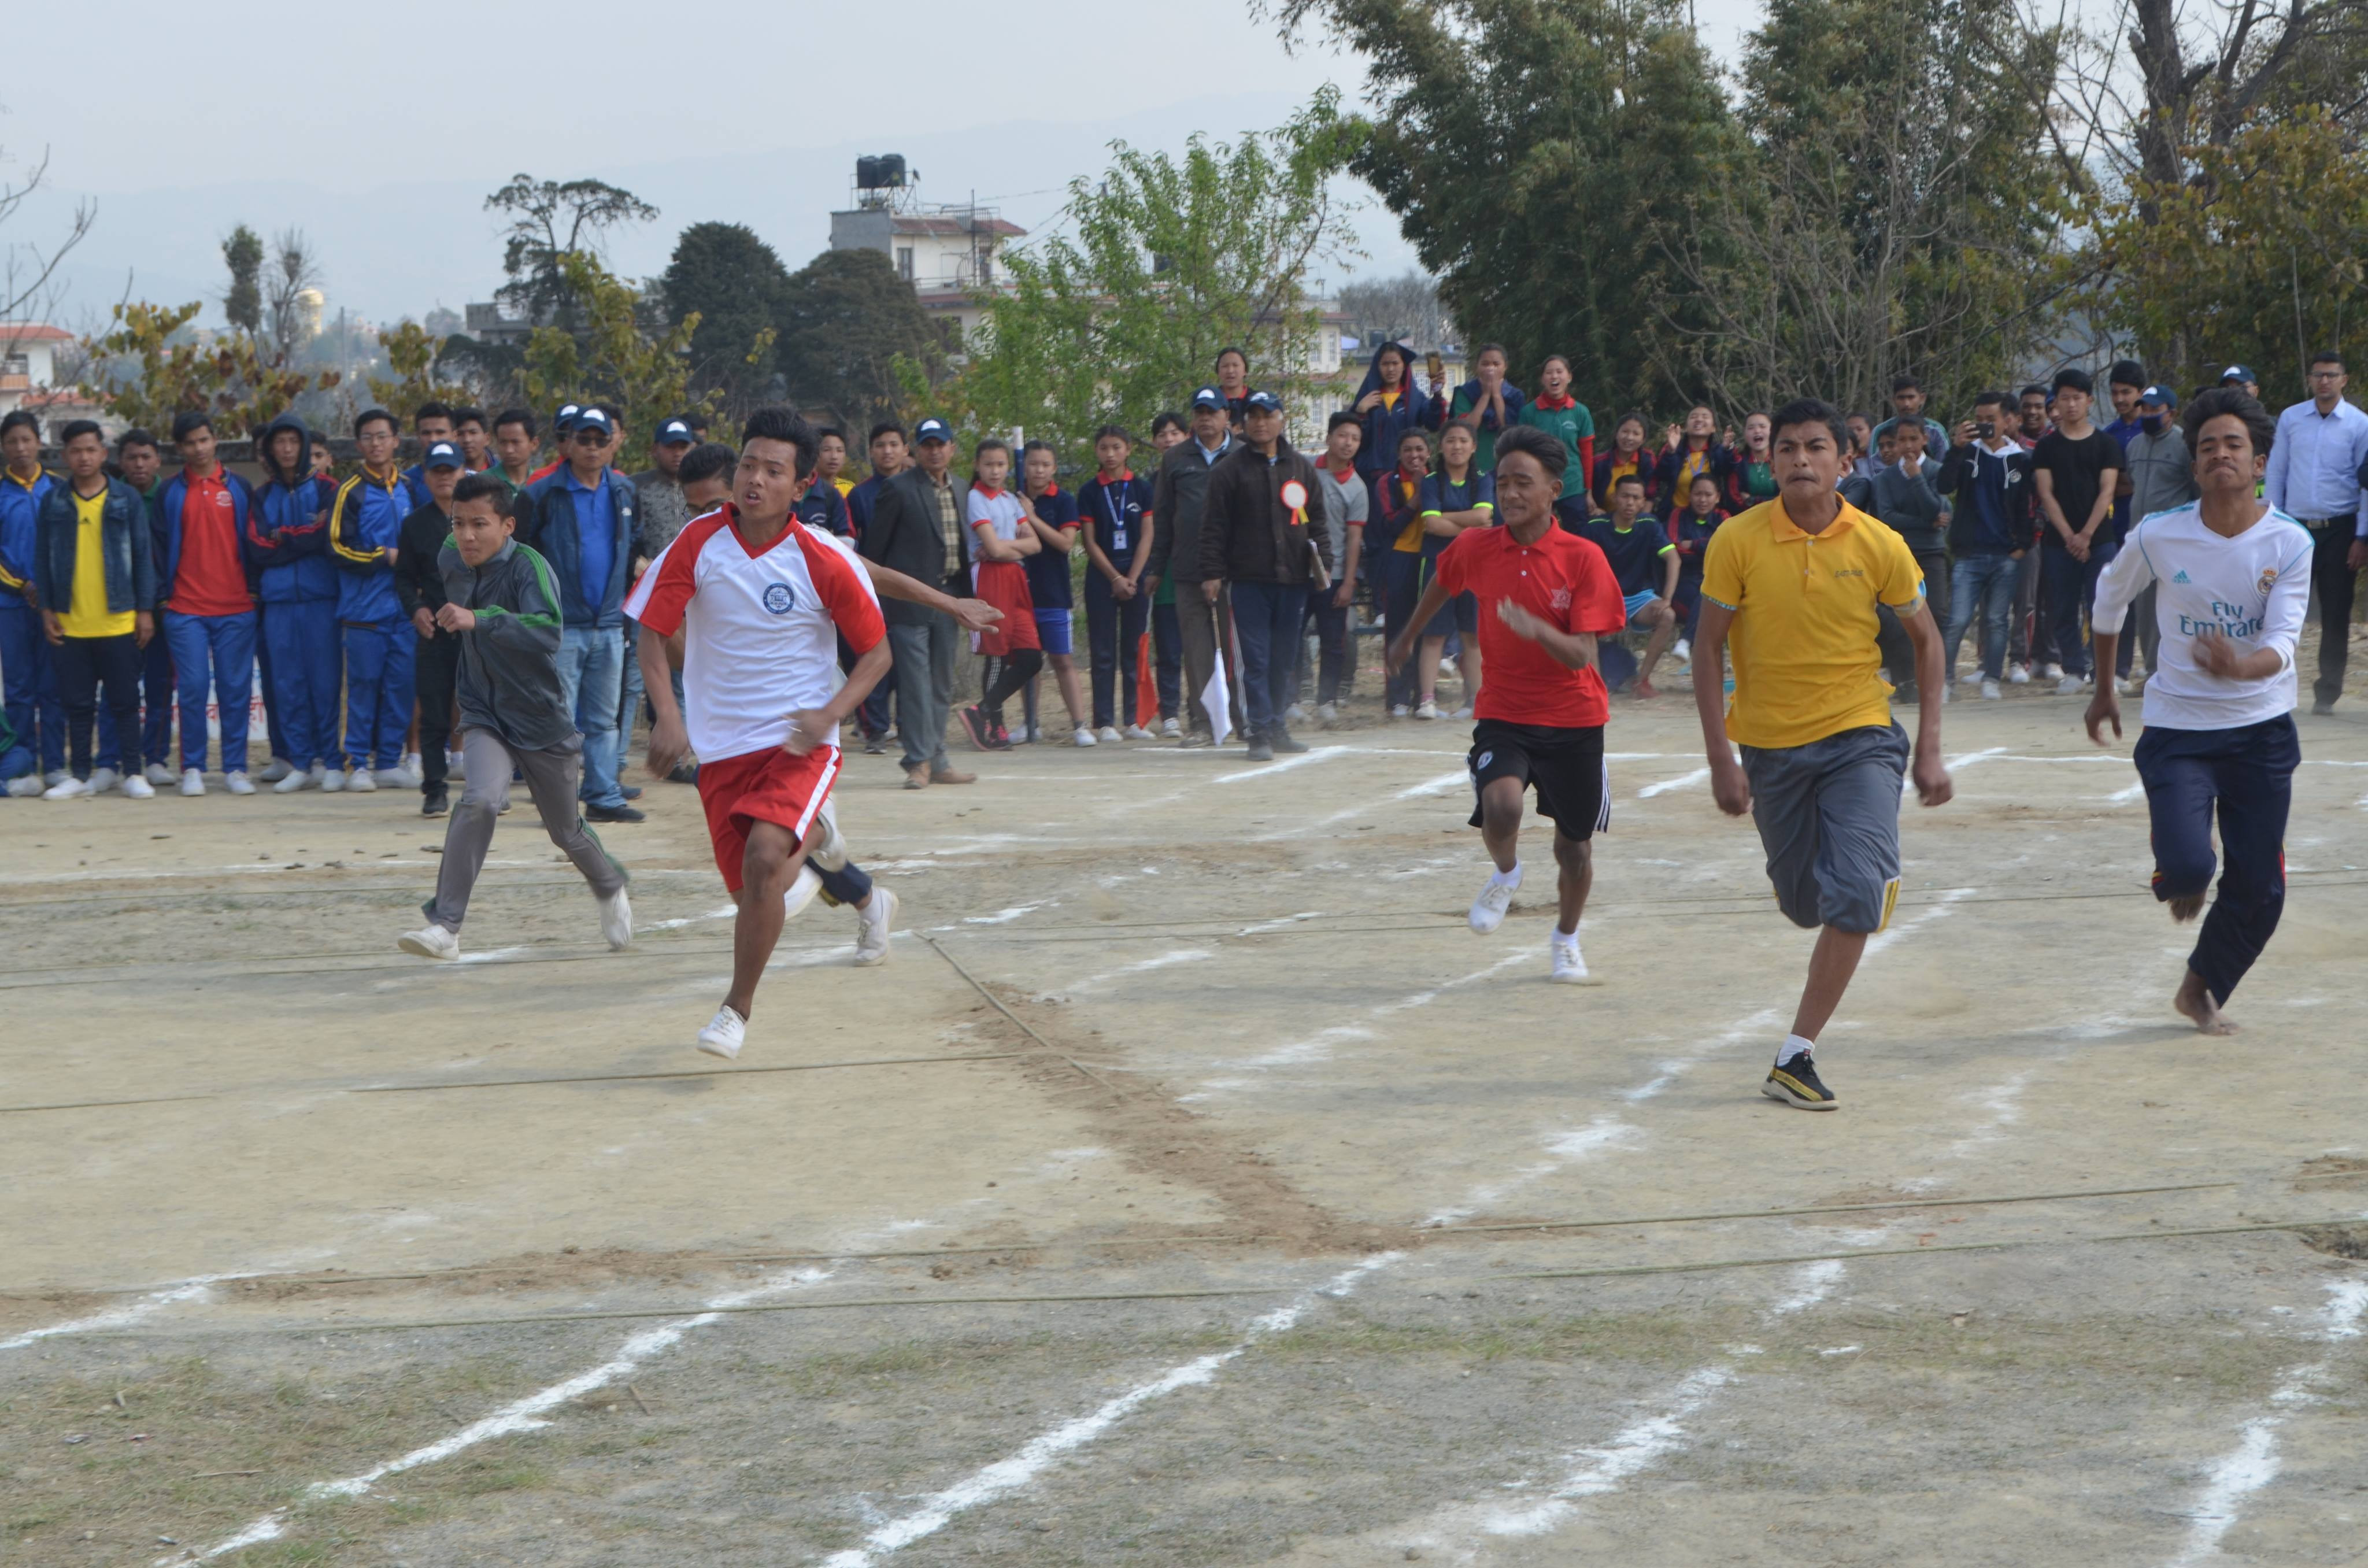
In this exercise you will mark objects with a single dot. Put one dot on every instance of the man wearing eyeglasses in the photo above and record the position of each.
(2315, 477)
(583, 522)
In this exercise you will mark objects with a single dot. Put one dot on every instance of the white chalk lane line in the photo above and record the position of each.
(196, 1289)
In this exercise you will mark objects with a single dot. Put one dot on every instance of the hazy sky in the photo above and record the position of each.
(383, 149)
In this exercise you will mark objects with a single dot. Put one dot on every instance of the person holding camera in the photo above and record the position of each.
(1988, 474)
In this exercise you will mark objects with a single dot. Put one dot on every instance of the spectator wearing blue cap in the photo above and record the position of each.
(584, 519)
(2241, 376)
(419, 584)
(1180, 494)
(2162, 476)
(917, 528)
(659, 486)
(2315, 471)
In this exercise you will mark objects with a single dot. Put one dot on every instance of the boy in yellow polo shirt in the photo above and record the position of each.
(1797, 579)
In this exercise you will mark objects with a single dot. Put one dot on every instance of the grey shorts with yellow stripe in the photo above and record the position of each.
(1829, 817)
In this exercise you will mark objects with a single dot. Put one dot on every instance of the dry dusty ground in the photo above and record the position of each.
(1193, 1188)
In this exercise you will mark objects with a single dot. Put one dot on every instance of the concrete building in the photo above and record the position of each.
(29, 361)
(948, 252)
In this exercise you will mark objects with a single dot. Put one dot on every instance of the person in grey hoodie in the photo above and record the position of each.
(503, 607)
(1908, 499)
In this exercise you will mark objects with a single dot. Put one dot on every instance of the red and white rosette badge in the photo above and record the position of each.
(1294, 496)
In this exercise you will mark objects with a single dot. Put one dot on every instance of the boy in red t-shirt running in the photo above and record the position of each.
(762, 601)
(1544, 596)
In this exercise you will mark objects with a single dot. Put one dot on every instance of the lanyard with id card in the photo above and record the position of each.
(1118, 509)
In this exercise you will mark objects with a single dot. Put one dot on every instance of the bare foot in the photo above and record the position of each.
(2195, 1001)
(1644, 692)
(2187, 908)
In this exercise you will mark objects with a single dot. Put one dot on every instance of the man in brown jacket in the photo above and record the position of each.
(1255, 536)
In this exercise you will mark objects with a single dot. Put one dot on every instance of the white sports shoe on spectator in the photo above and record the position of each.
(723, 1033)
(1327, 712)
(157, 773)
(430, 942)
(105, 778)
(362, 779)
(1569, 969)
(192, 781)
(1085, 737)
(397, 778)
(295, 780)
(1294, 715)
(1137, 732)
(72, 789)
(238, 784)
(1970, 677)
(1399, 711)
(54, 777)
(454, 765)
(2018, 675)
(137, 788)
(1426, 710)
(333, 780)
(1990, 692)
(2070, 686)
(873, 922)
(26, 787)
(1109, 732)
(280, 768)
(1495, 897)
(617, 920)
(802, 889)
(1171, 728)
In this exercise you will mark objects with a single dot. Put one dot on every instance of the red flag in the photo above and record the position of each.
(1146, 686)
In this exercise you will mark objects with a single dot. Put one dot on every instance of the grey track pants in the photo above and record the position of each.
(551, 778)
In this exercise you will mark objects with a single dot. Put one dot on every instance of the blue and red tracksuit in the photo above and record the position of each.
(28, 684)
(365, 522)
(303, 665)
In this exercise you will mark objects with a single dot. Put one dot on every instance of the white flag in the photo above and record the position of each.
(1217, 701)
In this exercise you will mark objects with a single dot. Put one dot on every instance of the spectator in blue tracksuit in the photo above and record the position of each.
(583, 519)
(205, 590)
(288, 538)
(36, 756)
(137, 463)
(1389, 403)
(365, 531)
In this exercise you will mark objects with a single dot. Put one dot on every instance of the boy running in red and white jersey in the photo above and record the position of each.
(761, 600)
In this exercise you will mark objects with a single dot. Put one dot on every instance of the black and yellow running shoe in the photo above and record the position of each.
(1795, 1082)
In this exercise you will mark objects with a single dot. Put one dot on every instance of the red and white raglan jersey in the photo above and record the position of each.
(760, 630)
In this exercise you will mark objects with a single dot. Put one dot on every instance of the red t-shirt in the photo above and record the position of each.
(1564, 581)
(210, 580)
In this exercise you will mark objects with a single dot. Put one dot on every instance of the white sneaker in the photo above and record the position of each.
(192, 781)
(1495, 897)
(105, 778)
(617, 920)
(157, 773)
(1137, 732)
(331, 779)
(1171, 728)
(396, 778)
(2018, 675)
(2070, 686)
(2126, 686)
(408, 763)
(1109, 732)
(1294, 715)
(828, 850)
(139, 790)
(1465, 711)
(362, 779)
(1446, 665)
(55, 776)
(802, 889)
(1426, 710)
(2050, 670)
(294, 780)
(74, 789)
(723, 1033)
(1990, 692)
(1400, 710)
(1682, 652)
(1970, 677)
(27, 787)
(1569, 969)
(873, 924)
(238, 784)
(453, 768)
(430, 942)
(280, 768)
(1327, 712)
(1084, 737)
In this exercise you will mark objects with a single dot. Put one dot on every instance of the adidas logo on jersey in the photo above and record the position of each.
(2180, 577)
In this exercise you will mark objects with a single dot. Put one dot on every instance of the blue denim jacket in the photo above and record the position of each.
(123, 535)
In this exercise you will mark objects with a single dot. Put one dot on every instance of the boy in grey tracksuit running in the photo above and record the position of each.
(503, 609)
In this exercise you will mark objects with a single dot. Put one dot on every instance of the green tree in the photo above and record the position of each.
(2255, 257)
(844, 319)
(1894, 206)
(735, 284)
(613, 357)
(1537, 152)
(151, 368)
(412, 353)
(551, 222)
(1164, 260)
(243, 252)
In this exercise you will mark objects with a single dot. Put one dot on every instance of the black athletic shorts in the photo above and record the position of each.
(1565, 767)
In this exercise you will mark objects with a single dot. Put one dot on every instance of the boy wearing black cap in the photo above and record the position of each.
(420, 585)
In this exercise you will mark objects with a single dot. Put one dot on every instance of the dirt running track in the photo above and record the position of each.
(1192, 1187)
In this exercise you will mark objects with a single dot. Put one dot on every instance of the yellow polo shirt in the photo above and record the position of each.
(86, 613)
(1805, 661)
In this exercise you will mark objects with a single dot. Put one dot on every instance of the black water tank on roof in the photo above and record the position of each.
(892, 170)
(866, 174)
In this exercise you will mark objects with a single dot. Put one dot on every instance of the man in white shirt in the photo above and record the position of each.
(2232, 583)
(2314, 476)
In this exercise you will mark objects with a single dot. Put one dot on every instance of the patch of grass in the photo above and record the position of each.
(476, 1481)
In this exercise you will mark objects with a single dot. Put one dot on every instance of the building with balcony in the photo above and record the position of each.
(29, 361)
